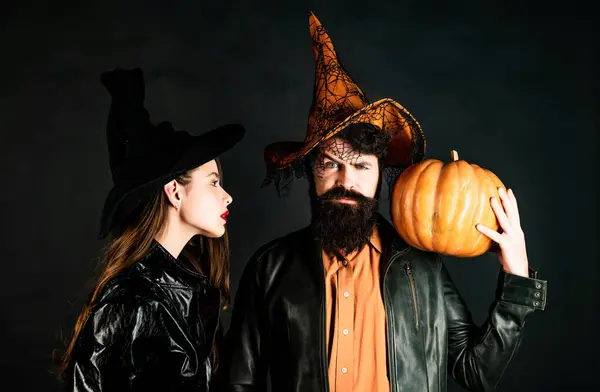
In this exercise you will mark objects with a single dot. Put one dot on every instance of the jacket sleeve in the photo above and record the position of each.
(244, 365)
(478, 356)
(129, 347)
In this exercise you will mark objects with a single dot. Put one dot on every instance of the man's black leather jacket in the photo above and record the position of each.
(278, 321)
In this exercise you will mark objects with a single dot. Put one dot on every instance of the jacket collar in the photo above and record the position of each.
(391, 241)
(159, 261)
(393, 244)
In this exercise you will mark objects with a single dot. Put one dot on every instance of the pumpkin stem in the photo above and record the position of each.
(454, 155)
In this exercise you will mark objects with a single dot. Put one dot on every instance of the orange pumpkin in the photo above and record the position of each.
(435, 206)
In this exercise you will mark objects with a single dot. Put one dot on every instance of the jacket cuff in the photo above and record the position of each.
(531, 291)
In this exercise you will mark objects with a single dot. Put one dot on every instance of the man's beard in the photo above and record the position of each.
(343, 227)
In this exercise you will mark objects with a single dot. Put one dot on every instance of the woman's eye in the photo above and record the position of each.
(215, 183)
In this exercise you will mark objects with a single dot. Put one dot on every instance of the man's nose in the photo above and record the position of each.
(345, 179)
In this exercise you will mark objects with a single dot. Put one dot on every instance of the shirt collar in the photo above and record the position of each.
(375, 240)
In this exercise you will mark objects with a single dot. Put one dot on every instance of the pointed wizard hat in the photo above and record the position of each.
(337, 103)
(143, 156)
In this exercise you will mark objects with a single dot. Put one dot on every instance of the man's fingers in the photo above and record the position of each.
(512, 198)
(507, 206)
(500, 215)
(491, 234)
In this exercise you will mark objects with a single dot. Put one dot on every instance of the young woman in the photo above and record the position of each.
(151, 320)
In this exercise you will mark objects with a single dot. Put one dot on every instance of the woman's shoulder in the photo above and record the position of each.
(129, 288)
(135, 283)
(126, 311)
(127, 301)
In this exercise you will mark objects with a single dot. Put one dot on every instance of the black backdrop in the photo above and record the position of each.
(507, 84)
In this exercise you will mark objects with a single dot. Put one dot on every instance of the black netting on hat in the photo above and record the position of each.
(303, 166)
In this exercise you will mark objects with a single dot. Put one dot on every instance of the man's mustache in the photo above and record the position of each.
(342, 193)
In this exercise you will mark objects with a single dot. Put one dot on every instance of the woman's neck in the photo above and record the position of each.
(174, 237)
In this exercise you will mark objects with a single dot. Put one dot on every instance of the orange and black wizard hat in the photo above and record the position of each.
(337, 103)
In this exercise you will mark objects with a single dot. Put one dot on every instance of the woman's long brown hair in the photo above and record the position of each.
(133, 244)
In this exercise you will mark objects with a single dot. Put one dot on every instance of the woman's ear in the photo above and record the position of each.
(172, 189)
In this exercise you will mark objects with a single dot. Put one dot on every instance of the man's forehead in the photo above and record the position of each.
(342, 150)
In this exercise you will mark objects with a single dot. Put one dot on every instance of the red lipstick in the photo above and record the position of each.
(225, 215)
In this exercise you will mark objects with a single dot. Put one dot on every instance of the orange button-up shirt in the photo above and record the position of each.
(355, 321)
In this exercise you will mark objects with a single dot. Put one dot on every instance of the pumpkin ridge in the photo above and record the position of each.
(439, 217)
(482, 208)
(464, 188)
(403, 209)
(416, 211)
(467, 207)
(454, 178)
(477, 213)
(436, 229)
(432, 208)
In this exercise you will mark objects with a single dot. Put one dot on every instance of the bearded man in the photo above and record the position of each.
(345, 304)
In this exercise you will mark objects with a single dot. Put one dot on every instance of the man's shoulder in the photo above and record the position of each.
(290, 243)
(270, 259)
(397, 246)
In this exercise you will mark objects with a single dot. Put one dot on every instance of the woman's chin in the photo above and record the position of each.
(213, 233)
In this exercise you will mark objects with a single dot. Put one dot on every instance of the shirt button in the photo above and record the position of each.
(345, 331)
(344, 370)
(536, 303)
(346, 294)
(538, 285)
(536, 295)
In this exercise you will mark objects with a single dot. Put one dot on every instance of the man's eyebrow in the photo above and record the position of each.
(337, 160)
(363, 163)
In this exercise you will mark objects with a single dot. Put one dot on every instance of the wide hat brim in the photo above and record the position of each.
(125, 197)
(407, 144)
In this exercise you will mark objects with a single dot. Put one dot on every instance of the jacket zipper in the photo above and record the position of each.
(411, 281)
(392, 358)
(390, 338)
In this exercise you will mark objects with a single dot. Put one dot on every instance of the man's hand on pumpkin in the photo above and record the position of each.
(512, 252)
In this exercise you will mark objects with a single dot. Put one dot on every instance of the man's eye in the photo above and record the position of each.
(330, 165)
